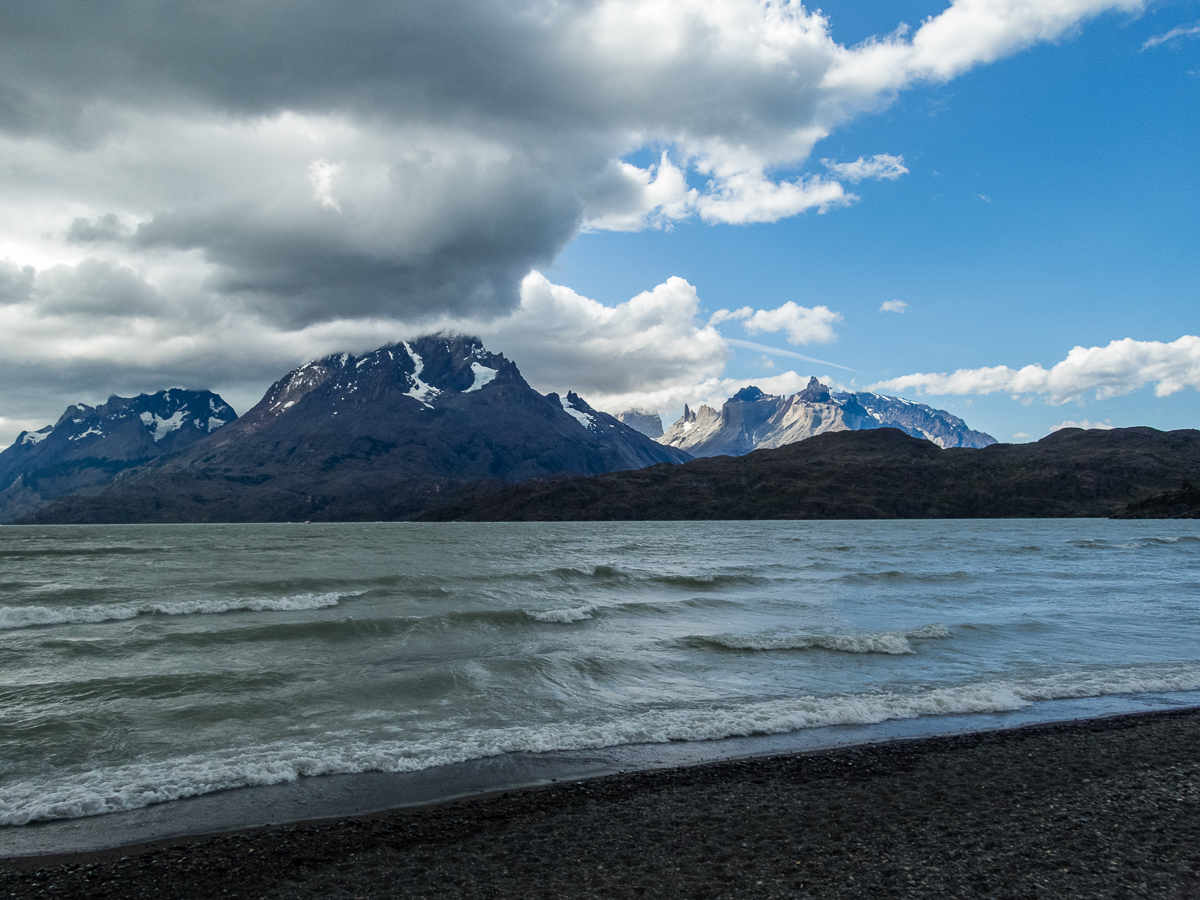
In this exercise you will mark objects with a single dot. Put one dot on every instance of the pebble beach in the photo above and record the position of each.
(1091, 808)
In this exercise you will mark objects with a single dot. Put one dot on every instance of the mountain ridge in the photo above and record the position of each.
(754, 420)
(377, 435)
(875, 473)
(90, 445)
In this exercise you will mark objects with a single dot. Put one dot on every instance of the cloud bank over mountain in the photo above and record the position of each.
(194, 194)
(1115, 370)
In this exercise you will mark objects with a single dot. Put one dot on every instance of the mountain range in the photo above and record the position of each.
(91, 445)
(441, 427)
(753, 420)
(377, 436)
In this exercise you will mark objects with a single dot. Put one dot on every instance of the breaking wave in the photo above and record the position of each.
(139, 784)
(893, 642)
(564, 615)
(30, 616)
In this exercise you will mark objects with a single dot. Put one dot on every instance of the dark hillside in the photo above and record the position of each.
(879, 473)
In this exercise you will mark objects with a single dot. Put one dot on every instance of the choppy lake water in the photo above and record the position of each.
(147, 663)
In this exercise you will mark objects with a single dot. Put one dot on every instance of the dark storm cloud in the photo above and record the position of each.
(95, 288)
(107, 227)
(16, 283)
(454, 241)
(508, 63)
(498, 124)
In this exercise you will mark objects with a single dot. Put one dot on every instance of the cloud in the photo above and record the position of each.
(203, 199)
(562, 340)
(1189, 31)
(801, 324)
(745, 197)
(105, 228)
(713, 391)
(626, 198)
(895, 306)
(651, 351)
(1120, 368)
(775, 351)
(321, 174)
(16, 283)
(879, 167)
(400, 159)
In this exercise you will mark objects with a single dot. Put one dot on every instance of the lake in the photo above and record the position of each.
(142, 664)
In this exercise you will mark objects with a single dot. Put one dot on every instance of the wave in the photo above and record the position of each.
(564, 615)
(80, 551)
(1136, 543)
(892, 642)
(31, 616)
(134, 785)
(594, 573)
(898, 576)
(582, 611)
(714, 580)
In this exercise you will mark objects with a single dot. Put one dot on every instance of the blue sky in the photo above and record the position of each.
(1053, 200)
(619, 195)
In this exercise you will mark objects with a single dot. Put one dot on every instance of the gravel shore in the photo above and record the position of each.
(1096, 808)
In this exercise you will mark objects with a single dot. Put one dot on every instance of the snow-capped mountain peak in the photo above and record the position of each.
(752, 419)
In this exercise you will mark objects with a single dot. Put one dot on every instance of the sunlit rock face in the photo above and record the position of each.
(751, 420)
(646, 421)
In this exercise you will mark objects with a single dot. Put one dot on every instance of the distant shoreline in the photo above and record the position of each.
(880, 473)
(1087, 808)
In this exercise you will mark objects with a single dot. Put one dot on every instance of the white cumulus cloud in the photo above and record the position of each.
(1120, 368)
(801, 324)
(896, 306)
(562, 340)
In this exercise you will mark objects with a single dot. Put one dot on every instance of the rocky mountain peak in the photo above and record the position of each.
(169, 418)
(815, 392)
(376, 435)
(752, 419)
(91, 444)
(645, 421)
(749, 394)
(425, 370)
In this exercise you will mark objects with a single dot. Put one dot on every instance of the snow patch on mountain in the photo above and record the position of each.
(35, 437)
(483, 376)
(421, 391)
(581, 417)
(160, 427)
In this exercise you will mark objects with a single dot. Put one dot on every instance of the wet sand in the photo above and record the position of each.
(1094, 808)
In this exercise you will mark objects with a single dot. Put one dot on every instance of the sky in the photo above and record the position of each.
(989, 206)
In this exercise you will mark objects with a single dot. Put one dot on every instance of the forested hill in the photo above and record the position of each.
(880, 473)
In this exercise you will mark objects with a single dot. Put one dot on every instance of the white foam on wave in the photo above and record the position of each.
(30, 616)
(563, 615)
(893, 642)
(135, 785)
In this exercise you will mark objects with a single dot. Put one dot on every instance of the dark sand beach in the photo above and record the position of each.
(1093, 808)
